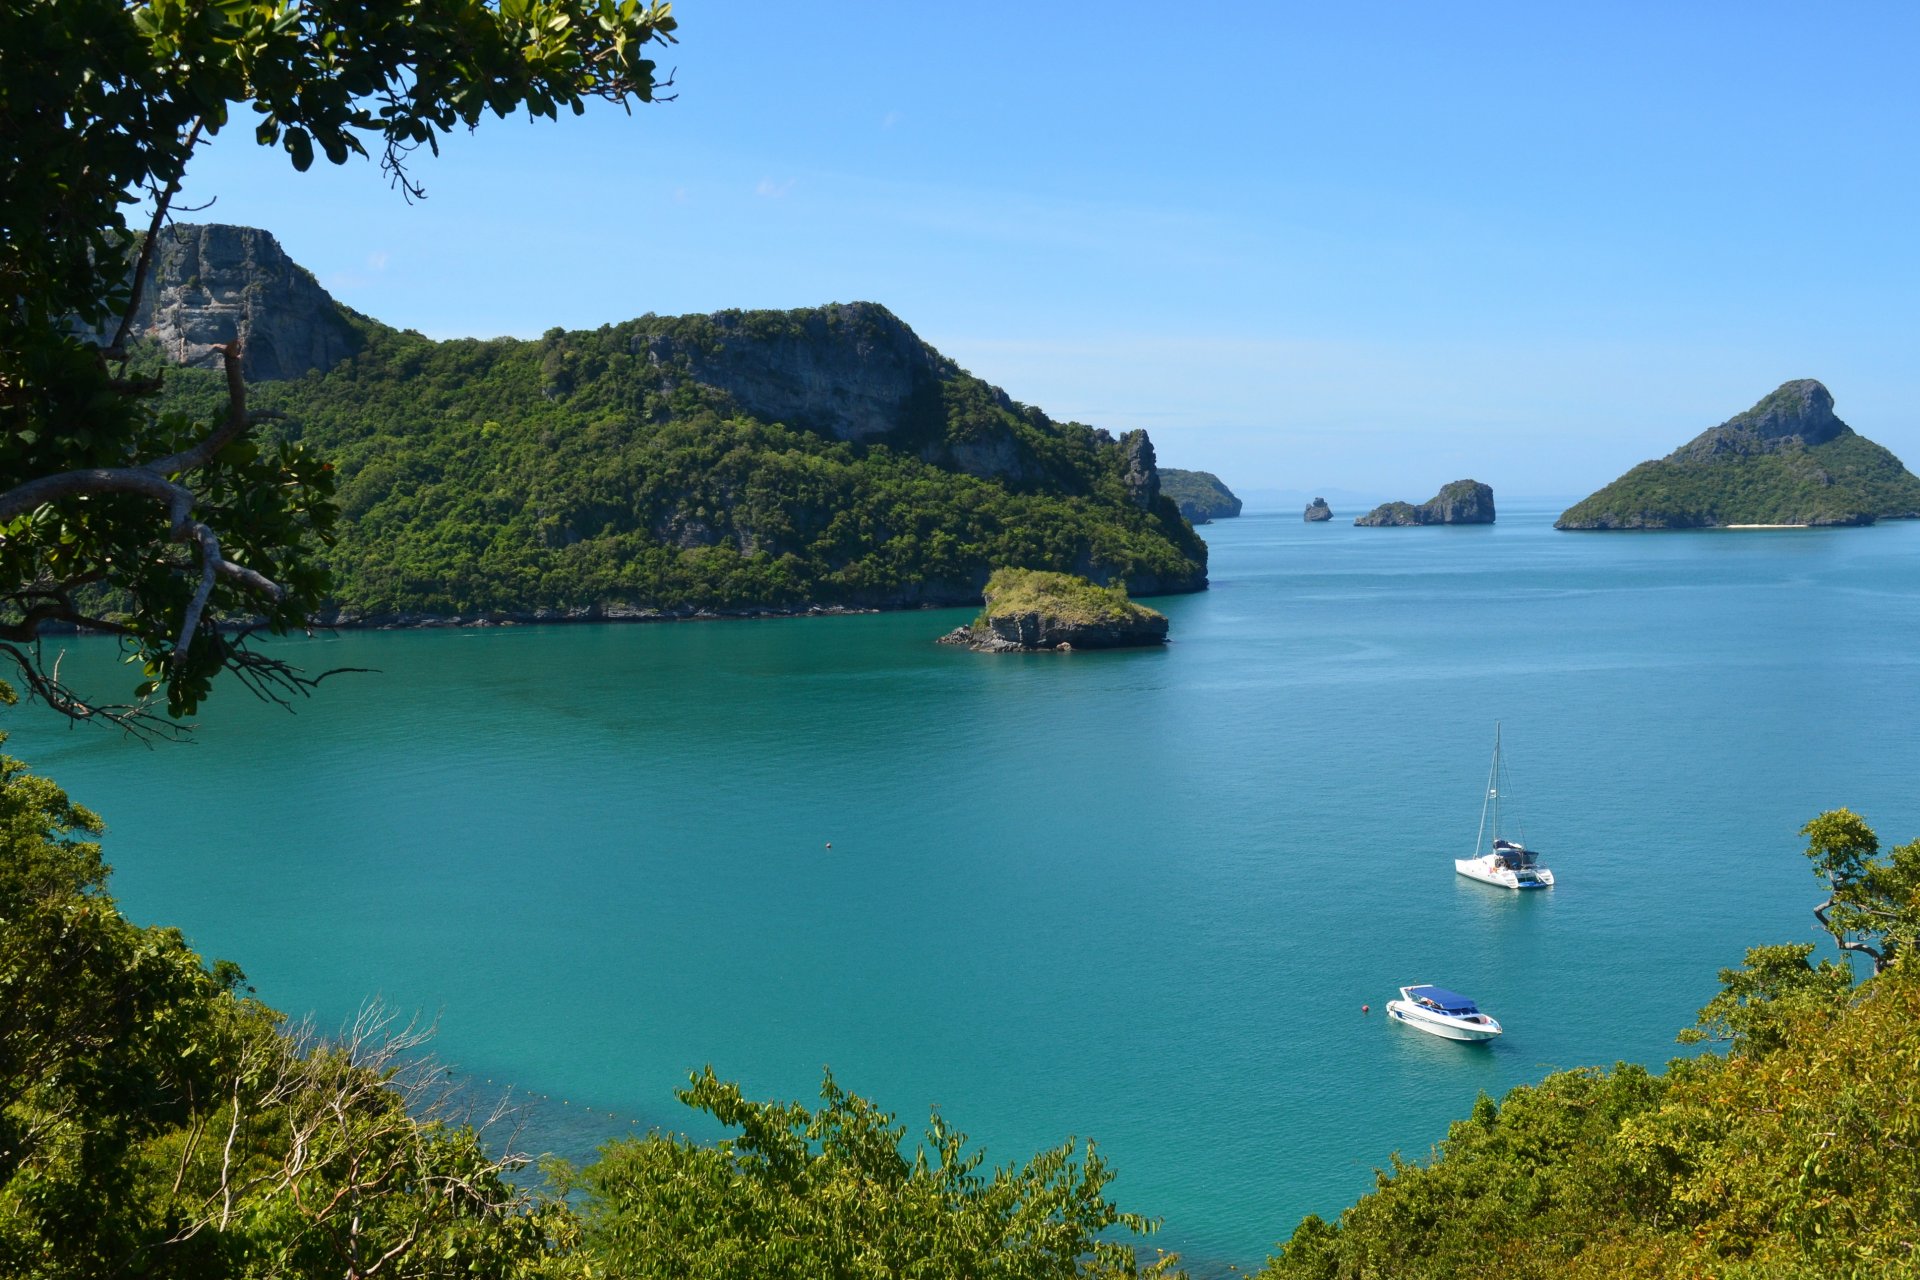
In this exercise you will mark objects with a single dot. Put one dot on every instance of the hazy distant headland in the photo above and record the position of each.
(1786, 461)
(1201, 495)
(735, 463)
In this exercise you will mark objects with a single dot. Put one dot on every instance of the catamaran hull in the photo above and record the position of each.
(1481, 869)
(1436, 1025)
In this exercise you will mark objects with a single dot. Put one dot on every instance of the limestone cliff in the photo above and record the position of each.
(852, 371)
(1462, 502)
(1787, 460)
(210, 284)
(1318, 511)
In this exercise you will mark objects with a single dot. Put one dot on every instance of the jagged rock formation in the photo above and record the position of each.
(1786, 461)
(1318, 510)
(1029, 611)
(1140, 475)
(1462, 502)
(1200, 495)
(210, 284)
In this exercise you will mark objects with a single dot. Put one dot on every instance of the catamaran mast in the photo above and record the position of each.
(1493, 781)
(1493, 795)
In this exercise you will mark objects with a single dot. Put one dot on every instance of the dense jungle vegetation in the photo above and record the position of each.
(581, 472)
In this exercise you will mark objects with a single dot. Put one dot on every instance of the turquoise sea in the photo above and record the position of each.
(1139, 897)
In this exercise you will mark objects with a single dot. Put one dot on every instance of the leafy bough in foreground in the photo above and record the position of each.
(806, 1194)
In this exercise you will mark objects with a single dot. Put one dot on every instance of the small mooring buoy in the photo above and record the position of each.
(1366, 1008)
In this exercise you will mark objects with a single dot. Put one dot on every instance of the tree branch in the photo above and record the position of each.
(1880, 961)
(116, 350)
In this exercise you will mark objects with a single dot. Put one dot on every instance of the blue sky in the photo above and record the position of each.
(1362, 247)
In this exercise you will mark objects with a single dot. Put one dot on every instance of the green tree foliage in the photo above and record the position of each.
(827, 1194)
(1797, 1154)
(576, 473)
(1059, 598)
(154, 1121)
(185, 520)
(1760, 1003)
(1874, 908)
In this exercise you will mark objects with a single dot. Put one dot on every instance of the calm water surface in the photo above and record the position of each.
(1136, 897)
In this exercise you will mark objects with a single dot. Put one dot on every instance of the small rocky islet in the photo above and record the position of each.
(1462, 502)
(1035, 611)
(1318, 511)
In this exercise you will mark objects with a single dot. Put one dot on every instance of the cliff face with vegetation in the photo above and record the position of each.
(1201, 495)
(211, 284)
(1787, 460)
(737, 462)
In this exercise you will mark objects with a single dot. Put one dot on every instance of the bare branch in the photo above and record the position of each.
(210, 561)
(95, 482)
(1880, 961)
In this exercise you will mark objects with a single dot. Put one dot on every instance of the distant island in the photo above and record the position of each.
(1028, 611)
(744, 462)
(1462, 502)
(1786, 461)
(1200, 495)
(1318, 511)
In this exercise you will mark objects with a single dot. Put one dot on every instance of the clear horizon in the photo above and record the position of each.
(1370, 250)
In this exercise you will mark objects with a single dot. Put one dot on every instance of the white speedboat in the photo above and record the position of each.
(1510, 864)
(1441, 1012)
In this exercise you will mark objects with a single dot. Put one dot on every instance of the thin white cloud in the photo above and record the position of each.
(377, 260)
(772, 190)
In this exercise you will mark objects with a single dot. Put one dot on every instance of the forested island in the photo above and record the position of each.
(738, 462)
(1786, 461)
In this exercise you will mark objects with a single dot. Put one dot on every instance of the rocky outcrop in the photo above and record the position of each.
(1142, 477)
(1462, 502)
(1031, 611)
(1034, 632)
(853, 371)
(1786, 461)
(210, 284)
(1200, 495)
(1318, 510)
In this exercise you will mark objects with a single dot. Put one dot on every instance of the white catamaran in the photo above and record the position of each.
(1511, 865)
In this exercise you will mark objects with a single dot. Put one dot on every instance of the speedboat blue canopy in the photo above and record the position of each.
(1448, 1001)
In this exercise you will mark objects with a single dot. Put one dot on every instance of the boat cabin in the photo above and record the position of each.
(1514, 857)
(1441, 1000)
